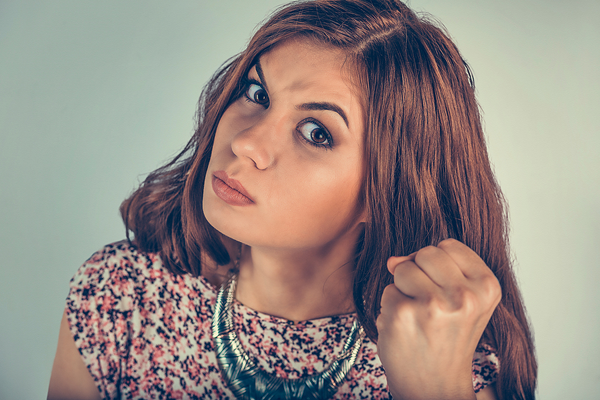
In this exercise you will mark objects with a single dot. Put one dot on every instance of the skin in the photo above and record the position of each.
(434, 315)
(301, 230)
(70, 379)
(296, 240)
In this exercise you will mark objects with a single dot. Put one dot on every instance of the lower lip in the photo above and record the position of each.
(228, 194)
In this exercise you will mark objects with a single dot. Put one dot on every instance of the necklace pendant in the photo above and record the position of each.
(248, 382)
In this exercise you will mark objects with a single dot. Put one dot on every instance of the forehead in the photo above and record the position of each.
(303, 58)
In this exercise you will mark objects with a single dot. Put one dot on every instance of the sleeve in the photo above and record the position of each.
(485, 367)
(98, 304)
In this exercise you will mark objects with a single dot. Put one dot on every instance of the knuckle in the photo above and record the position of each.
(393, 317)
(469, 300)
(404, 314)
(436, 305)
(489, 281)
(380, 323)
(491, 288)
(462, 299)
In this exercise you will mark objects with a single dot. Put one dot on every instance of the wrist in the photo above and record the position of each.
(470, 396)
(430, 389)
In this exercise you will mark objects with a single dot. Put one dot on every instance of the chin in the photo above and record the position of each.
(217, 218)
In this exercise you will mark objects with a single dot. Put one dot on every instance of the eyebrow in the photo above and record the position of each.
(313, 106)
(261, 75)
(324, 106)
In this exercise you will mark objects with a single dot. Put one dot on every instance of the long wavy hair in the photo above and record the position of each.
(427, 177)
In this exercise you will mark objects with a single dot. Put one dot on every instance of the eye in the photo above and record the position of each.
(257, 94)
(315, 134)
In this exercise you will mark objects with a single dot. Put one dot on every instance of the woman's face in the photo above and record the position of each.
(293, 143)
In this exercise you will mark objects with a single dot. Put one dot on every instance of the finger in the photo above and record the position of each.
(483, 281)
(392, 296)
(413, 282)
(392, 262)
(391, 300)
(439, 267)
(469, 262)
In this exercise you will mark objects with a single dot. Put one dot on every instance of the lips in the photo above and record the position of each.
(230, 190)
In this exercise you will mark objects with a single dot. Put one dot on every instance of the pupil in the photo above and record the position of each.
(318, 136)
(261, 97)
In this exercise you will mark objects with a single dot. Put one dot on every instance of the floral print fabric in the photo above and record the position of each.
(145, 333)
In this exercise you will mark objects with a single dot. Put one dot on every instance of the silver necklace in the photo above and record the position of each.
(249, 382)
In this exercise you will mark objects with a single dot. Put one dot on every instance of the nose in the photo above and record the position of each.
(256, 143)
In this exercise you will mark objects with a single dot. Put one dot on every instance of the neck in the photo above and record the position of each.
(298, 284)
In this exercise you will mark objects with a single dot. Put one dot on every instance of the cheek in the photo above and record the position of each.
(222, 134)
(316, 209)
(221, 152)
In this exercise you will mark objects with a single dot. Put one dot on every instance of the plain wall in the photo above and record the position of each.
(96, 94)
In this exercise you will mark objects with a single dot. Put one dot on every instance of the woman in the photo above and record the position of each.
(332, 229)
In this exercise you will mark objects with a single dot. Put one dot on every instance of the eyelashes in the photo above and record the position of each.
(314, 133)
(255, 93)
(309, 129)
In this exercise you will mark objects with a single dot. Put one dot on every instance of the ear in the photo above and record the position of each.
(362, 217)
(361, 209)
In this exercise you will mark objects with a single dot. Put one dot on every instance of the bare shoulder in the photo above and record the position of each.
(487, 393)
(70, 378)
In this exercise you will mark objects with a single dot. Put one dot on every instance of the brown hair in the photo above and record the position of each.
(428, 176)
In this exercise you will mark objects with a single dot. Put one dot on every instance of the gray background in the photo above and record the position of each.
(94, 95)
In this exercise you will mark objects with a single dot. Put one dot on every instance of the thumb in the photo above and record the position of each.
(393, 261)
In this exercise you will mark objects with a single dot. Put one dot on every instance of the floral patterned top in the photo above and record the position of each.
(145, 333)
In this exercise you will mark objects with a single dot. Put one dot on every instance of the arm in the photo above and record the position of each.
(70, 379)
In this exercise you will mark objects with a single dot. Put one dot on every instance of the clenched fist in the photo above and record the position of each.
(431, 320)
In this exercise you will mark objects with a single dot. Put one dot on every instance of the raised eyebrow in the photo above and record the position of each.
(313, 106)
(261, 75)
(324, 106)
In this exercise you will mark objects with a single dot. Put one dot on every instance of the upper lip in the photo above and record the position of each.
(232, 183)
